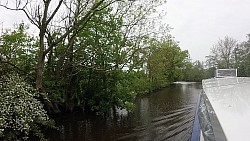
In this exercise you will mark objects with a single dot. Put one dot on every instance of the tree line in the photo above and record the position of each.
(84, 53)
(226, 53)
(97, 75)
(229, 53)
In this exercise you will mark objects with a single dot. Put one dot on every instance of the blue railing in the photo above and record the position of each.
(196, 128)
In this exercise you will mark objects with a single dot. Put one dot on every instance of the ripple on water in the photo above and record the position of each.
(176, 125)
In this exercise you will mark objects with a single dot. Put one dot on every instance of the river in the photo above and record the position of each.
(164, 115)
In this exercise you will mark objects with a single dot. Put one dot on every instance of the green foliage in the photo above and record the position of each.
(112, 90)
(165, 63)
(242, 58)
(139, 82)
(21, 114)
(195, 72)
(18, 50)
(101, 64)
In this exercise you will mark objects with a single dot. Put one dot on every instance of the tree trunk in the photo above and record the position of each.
(40, 63)
(39, 74)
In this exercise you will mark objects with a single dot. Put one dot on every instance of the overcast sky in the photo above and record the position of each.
(197, 24)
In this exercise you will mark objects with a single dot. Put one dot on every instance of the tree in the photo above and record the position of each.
(243, 58)
(99, 54)
(62, 25)
(195, 71)
(165, 63)
(42, 14)
(18, 51)
(222, 54)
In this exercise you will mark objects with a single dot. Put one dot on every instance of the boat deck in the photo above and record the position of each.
(230, 100)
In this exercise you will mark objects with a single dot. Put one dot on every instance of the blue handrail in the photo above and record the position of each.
(196, 128)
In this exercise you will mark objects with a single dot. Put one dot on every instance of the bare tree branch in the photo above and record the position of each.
(54, 12)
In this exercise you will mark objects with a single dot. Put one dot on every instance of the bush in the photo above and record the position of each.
(21, 114)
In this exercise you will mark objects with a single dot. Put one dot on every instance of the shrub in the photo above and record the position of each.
(21, 114)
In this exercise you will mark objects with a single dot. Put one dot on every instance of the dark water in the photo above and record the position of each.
(164, 115)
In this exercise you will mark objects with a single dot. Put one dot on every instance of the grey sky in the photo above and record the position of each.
(197, 24)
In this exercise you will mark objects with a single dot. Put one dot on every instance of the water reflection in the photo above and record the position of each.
(144, 110)
(164, 115)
